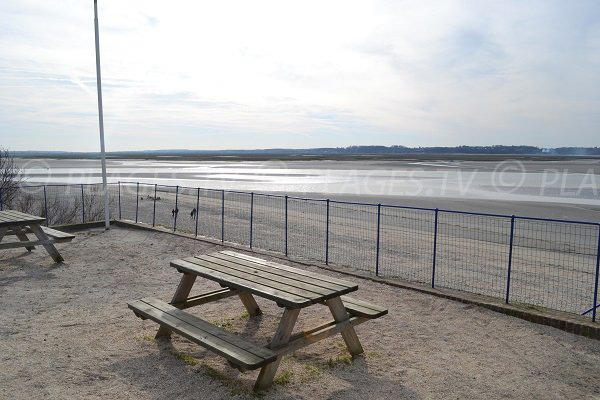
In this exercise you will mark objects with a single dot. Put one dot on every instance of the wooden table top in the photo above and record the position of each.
(288, 286)
(12, 218)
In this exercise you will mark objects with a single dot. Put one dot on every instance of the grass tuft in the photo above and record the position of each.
(186, 358)
(283, 378)
(341, 359)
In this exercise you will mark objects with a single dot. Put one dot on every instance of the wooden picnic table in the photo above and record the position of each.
(20, 224)
(247, 276)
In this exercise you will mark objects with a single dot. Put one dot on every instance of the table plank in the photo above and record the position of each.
(12, 218)
(272, 264)
(298, 274)
(270, 293)
(265, 273)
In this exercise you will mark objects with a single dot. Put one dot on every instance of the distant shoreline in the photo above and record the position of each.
(324, 157)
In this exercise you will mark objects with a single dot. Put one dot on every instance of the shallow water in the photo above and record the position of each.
(573, 182)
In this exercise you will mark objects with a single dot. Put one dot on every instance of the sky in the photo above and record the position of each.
(298, 74)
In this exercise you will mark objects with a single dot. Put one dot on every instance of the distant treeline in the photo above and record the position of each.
(350, 150)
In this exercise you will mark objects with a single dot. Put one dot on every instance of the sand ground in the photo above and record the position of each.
(66, 332)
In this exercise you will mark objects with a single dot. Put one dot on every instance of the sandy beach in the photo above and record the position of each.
(67, 333)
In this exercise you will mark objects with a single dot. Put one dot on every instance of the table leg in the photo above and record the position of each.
(48, 246)
(22, 236)
(348, 334)
(3, 231)
(181, 294)
(282, 336)
(250, 304)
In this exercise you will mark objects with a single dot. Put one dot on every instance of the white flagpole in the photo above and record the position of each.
(101, 120)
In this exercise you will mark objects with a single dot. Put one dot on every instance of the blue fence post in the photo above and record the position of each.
(222, 216)
(176, 208)
(82, 206)
(286, 225)
(435, 235)
(378, 236)
(596, 277)
(251, 216)
(46, 205)
(120, 200)
(197, 211)
(510, 256)
(327, 235)
(154, 206)
(137, 200)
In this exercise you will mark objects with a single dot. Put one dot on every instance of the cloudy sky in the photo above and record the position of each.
(263, 74)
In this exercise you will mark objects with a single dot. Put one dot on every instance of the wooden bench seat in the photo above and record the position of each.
(243, 354)
(58, 236)
(361, 308)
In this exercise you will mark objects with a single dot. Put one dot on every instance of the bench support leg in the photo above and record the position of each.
(282, 336)
(348, 334)
(250, 304)
(181, 294)
(48, 246)
(23, 238)
(3, 232)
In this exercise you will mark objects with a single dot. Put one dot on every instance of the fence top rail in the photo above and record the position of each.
(476, 213)
(559, 220)
(306, 199)
(409, 207)
(355, 203)
(331, 201)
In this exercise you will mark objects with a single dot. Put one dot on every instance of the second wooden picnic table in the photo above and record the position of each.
(20, 224)
(246, 276)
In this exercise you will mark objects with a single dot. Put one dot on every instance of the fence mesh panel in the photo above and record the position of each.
(269, 223)
(307, 225)
(554, 264)
(209, 213)
(406, 243)
(127, 203)
(64, 204)
(353, 235)
(93, 202)
(163, 207)
(28, 199)
(186, 204)
(472, 253)
(237, 218)
(144, 203)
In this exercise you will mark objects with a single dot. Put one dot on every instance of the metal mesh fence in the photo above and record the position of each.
(352, 235)
(554, 264)
(210, 214)
(65, 204)
(237, 217)
(163, 206)
(186, 204)
(406, 243)
(144, 203)
(29, 199)
(269, 223)
(127, 201)
(541, 262)
(472, 253)
(93, 202)
(307, 229)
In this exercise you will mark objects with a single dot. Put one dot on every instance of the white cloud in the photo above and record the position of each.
(235, 74)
